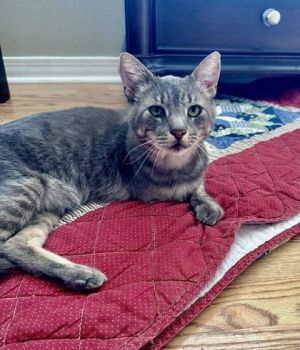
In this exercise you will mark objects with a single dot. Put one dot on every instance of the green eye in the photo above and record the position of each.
(194, 111)
(157, 111)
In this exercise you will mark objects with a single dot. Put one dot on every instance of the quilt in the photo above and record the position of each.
(163, 269)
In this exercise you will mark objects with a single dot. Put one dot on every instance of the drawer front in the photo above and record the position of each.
(232, 26)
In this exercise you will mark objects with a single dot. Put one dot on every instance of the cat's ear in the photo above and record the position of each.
(134, 75)
(208, 73)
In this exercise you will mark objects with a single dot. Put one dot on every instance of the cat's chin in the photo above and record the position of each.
(177, 148)
(174, 158)
(178, 151)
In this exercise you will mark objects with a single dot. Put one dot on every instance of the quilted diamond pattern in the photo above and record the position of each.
(155, 256)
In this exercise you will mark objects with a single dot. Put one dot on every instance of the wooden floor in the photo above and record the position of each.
(259, 310)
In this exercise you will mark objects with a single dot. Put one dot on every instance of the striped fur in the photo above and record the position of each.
(53, 163)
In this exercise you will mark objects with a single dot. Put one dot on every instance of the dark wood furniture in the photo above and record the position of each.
(4, 90)
(257, 38)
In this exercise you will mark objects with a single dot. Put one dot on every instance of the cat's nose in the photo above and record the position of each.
(178, 133)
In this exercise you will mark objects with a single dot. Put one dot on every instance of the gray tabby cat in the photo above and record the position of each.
(51, 163)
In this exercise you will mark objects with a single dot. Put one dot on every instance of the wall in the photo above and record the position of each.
(62, 27)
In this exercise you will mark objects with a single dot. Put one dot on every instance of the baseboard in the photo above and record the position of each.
(36, 69)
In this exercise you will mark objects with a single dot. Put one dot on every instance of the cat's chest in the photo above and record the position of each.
(107, 189)
(176, 192)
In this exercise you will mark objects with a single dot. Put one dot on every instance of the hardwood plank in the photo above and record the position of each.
(28, 99)
(263, 338)
(259, 310)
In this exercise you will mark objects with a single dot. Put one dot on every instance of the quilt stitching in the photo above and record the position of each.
(290, 150)
(256, 153)
(181, 300)
(153, 254)
(14, 311)
(84, 303)
(196, 308)
(253, 152)
(214, 243)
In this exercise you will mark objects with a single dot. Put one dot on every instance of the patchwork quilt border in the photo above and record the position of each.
(257, 102)
(215, 153)
(239, 146)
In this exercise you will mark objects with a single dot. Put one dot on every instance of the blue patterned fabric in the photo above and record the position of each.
(239, 120)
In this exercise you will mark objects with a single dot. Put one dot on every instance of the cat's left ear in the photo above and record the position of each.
(208, 73)
(134, 75)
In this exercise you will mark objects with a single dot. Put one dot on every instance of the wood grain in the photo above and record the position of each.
(34, 98)
(260, 310)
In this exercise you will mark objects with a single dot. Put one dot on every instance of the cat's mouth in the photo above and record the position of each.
(177, 147)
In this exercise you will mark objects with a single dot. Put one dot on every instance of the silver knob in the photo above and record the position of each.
(271, 17)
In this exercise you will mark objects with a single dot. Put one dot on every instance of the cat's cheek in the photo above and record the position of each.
(150, 135)
(140, 133)
(202, 135)
(138, 128)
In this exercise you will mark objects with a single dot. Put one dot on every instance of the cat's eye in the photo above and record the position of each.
(195, 111)
(157, 111)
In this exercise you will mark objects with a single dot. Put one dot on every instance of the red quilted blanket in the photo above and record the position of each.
(155, 256)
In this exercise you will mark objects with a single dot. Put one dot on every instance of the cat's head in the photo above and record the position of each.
(171, 115)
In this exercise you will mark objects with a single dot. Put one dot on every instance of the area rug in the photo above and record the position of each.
(163, 269)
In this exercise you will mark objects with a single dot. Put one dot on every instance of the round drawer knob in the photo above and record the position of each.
(271, 17)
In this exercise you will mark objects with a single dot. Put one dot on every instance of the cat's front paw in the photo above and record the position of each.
(209, 213)
(82, 277)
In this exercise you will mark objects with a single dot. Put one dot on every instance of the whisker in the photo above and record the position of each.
(159, 151)
(203, 149)
(135, 160)
(151, 150)
(195, 152)
(161, 138)
(134, 148)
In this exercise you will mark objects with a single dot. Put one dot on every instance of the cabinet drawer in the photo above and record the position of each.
(232, 26)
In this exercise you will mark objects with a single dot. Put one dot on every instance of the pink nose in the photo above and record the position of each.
(178, 133)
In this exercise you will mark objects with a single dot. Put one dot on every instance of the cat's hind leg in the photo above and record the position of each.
(23, 197)
(30, 207)
(20, 200)
(25, 250)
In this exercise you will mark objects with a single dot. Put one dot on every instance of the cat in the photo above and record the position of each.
(51, 163)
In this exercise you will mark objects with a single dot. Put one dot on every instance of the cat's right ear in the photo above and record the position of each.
(134, 75)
